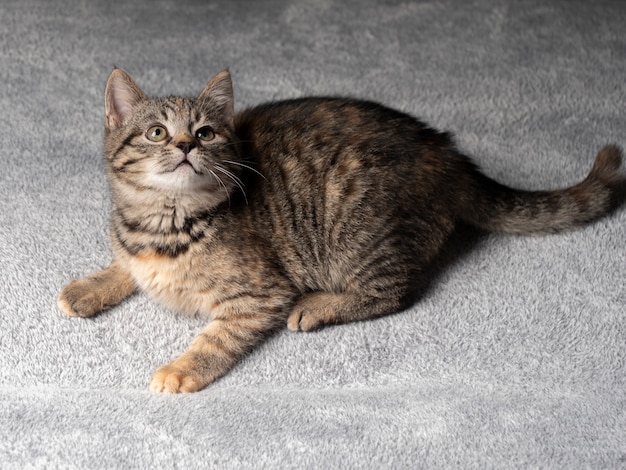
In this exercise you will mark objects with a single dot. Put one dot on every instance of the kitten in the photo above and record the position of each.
(307, 212)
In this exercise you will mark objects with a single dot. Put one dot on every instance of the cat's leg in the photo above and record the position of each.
(229, 337)
(96, 292)
(317, 309)
(212, 353)
(382, 278)
(387, 281)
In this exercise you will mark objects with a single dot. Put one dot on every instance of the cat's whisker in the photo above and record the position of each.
(235, 179)
(237, 142)
(228, 173)
(221, 183)
(245, 166)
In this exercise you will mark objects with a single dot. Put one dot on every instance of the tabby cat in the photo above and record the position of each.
(309, 212)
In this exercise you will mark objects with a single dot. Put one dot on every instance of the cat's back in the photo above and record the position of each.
(319, 135)
(348, 119)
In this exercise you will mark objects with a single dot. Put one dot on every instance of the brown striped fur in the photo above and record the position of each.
(307, 212)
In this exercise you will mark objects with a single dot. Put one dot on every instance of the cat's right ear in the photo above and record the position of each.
(120, 97)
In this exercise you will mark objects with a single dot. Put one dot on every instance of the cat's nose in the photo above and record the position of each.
(186, 146)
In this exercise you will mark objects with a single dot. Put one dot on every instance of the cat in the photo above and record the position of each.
(305, 213)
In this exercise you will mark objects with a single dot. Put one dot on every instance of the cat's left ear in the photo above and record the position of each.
(219, 93)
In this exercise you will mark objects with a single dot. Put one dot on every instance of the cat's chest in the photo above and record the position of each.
(177, 282)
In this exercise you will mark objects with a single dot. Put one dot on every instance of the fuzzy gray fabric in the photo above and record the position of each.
(515, 357)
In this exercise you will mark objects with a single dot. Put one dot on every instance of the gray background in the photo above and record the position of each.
(516, 355)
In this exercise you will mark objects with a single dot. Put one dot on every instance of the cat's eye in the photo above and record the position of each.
(205, 133)
(156, 133)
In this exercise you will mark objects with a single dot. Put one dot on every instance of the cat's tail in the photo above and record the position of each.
(498, 208)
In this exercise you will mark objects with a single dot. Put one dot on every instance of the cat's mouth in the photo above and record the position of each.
(184, 165)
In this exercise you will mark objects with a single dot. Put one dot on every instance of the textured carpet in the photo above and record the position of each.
(515, 357)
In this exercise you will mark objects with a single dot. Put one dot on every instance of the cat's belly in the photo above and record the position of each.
(174, 282)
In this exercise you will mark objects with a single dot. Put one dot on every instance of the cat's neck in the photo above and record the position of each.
(158, 212)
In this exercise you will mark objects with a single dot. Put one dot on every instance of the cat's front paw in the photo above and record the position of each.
(171, 379)
(79, 299)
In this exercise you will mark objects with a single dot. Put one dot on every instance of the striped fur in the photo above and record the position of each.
(306, 212)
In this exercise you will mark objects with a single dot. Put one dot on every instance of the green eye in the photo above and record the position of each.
(156, 133)
(205, 133)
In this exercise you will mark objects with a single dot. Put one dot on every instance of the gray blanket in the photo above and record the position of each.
(514, 357)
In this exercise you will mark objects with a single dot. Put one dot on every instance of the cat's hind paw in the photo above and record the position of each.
(312, 312)
(300, 320)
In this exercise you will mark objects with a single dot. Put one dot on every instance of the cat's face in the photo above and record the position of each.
(174, 145)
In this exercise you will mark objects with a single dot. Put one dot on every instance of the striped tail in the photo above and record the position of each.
(498, 208)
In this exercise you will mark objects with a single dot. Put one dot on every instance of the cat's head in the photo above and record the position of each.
(173, 145)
